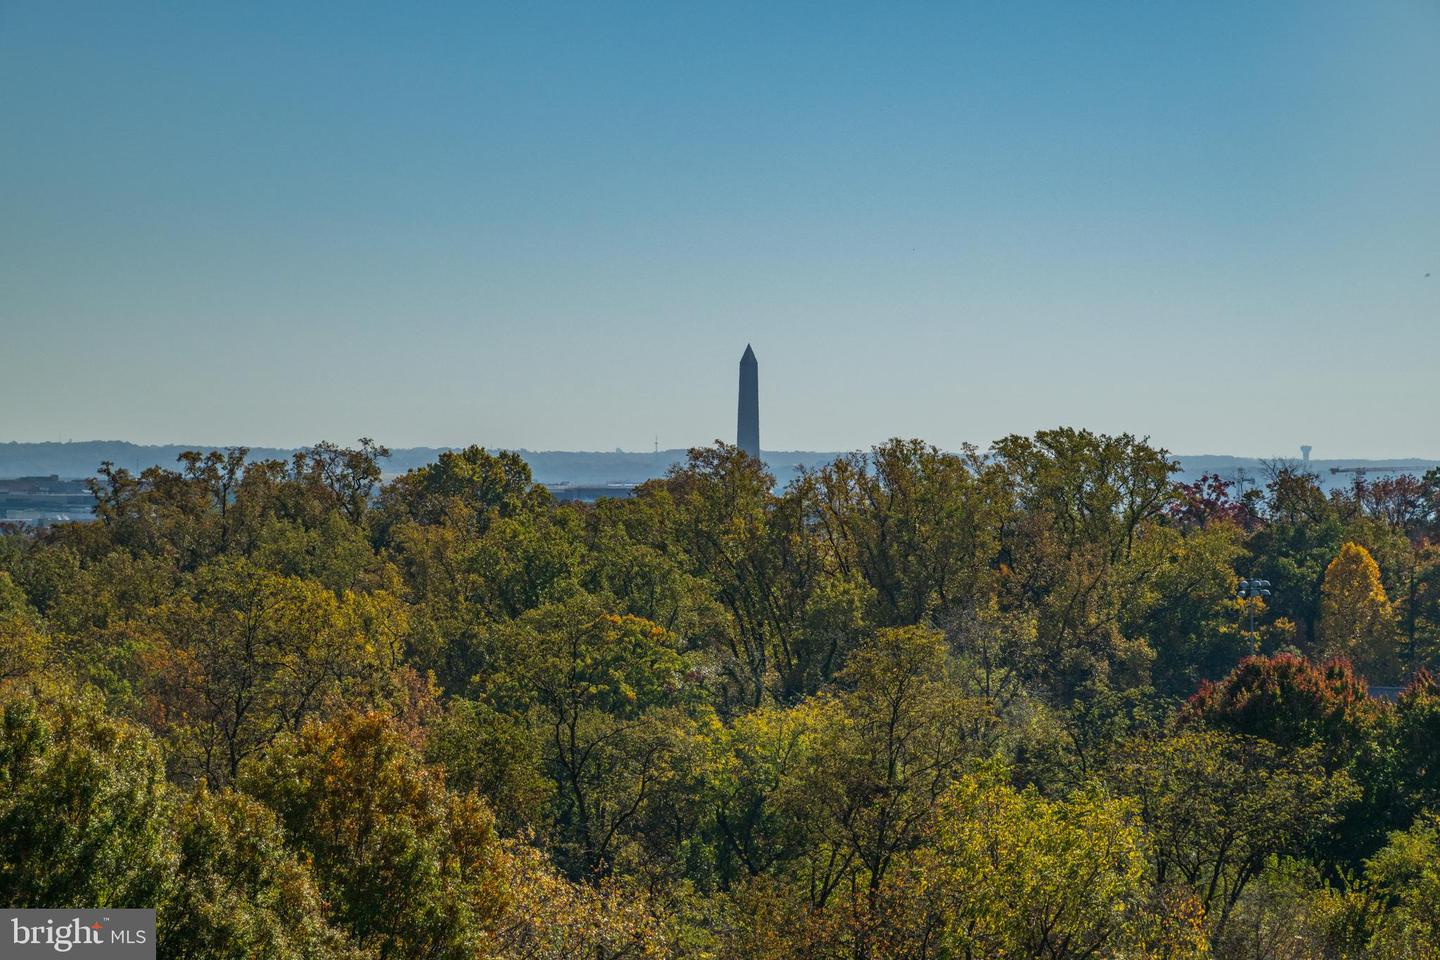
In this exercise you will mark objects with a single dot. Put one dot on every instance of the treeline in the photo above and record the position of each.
(914, 705)
(78, 459)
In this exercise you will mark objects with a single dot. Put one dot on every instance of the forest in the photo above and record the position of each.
(1019, 702)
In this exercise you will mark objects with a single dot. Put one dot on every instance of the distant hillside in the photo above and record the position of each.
(81, 458)
(78, 459)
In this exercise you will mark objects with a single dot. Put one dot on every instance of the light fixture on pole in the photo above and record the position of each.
(1253, 590)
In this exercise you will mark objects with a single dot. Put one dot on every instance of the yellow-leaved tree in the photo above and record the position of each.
(1356, 620)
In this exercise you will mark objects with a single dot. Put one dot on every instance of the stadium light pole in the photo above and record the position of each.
(1253, 590)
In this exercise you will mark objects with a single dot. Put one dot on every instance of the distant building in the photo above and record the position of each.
(41, 501)
(747, 430)
(590, 492)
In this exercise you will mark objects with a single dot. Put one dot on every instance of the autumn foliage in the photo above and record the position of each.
(1286, 699)
(914, 704)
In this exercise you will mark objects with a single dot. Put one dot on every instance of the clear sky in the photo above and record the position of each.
(557, 226)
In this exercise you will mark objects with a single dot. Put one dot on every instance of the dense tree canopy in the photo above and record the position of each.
(913, 704)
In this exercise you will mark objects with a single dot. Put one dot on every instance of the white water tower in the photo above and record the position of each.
(1305, 455)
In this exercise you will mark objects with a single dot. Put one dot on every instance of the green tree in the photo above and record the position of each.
(1216, 807)
(1186, 609)
(1010, 873)
(757, 789)
(1083, 502)
(1302, 532)
(24, 648)
(1417, 608)
(629, 563)
(238, 891)
(1405, 878)
(344, 478)
(1299, 706)
(602, 691)
(408, 868)
(754, 550)
(496, 755)
(252, 654)
(471, 486)
(888, 751)
(1417, 741)
(84, 809)
(919, 526)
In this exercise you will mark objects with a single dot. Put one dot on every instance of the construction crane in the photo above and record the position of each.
(1417, 469)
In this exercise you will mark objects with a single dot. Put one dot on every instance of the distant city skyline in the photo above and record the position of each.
(552, 226)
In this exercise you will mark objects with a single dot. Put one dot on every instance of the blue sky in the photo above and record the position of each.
(556, 226)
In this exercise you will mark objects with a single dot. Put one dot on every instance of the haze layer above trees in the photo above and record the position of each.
(78, 460)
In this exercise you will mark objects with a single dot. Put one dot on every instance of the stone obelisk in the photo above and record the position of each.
(747, 430)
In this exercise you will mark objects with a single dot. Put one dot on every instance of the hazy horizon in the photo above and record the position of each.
(556, 226)
(1322, 457)
(1318, 453)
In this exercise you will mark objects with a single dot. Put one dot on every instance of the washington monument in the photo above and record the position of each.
(747, 430)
